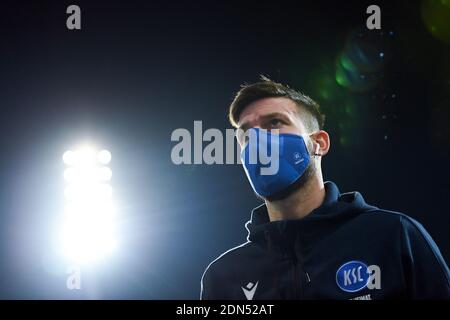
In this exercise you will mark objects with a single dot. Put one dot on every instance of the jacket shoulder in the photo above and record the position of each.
(226, 259)
(415, 239)
(396, 218)
(222, 267)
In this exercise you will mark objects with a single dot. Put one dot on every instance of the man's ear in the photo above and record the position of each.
(321, 142)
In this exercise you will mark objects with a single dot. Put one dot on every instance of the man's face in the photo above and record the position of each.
(281, 114)
(272, 113)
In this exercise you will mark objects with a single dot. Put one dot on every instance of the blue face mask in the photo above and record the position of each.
(273, 162)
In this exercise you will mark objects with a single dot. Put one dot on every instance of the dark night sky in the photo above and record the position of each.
(140, 69)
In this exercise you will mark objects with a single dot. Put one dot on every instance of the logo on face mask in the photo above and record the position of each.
(298, 158)
(354, 276)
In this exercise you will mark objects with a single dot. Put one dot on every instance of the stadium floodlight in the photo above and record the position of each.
(88, 231)
(104, 156)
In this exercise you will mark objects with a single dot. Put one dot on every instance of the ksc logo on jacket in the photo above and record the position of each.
(345, 249)
(354, 276)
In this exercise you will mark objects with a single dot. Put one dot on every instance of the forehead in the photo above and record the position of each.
(266, 106)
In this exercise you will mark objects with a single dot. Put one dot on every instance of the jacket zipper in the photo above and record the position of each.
(301, 277)
(297, 281)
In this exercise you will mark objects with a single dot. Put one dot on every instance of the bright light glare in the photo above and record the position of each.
(70, 174)
(104, 156)
(88, 231)
(69, 157)
(85, 157)
(104, 174)
(87, 175)
(88, 192)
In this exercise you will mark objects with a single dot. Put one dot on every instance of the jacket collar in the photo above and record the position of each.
(284, 235)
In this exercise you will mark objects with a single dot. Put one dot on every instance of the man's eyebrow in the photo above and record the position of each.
(273, 115)
(245, 125)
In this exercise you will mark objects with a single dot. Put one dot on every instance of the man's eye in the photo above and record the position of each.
(275, 123)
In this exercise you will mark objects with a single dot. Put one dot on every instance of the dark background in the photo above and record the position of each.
(137, 70)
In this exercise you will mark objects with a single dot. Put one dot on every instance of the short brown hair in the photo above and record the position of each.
(268, 89)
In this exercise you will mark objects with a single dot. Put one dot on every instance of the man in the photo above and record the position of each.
(308, 240)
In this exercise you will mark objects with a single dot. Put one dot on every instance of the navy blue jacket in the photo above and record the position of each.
(345, 249)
